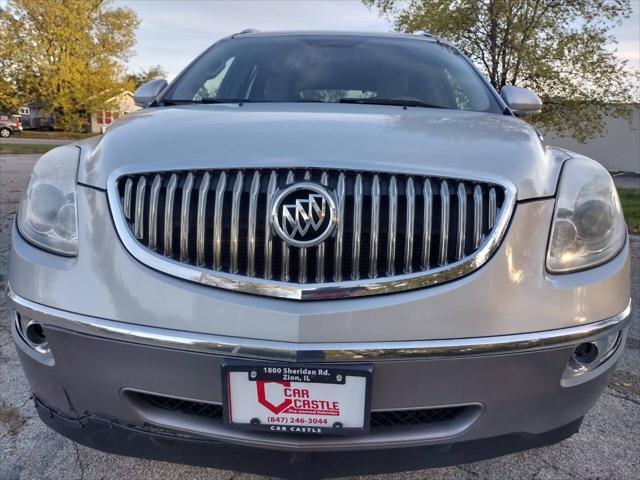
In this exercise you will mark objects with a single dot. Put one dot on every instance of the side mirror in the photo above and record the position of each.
(148, 91)
(521, 100)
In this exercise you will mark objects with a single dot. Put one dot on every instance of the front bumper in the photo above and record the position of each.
(103, 434)
(516, 384)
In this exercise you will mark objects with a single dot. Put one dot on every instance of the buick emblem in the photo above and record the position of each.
(304, 214)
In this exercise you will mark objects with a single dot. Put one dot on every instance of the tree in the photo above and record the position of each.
(66, 56)
(561, 49)
(144, 76)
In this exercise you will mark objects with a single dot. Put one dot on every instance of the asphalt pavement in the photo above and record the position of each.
(607, 446)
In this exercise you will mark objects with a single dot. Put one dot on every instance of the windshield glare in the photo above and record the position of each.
(325, 68)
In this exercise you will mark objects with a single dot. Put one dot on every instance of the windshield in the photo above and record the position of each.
(334, 68)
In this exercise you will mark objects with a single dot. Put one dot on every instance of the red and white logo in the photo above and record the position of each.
(280, 397)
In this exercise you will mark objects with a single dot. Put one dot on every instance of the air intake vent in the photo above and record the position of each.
(379, 420)
(392, 231)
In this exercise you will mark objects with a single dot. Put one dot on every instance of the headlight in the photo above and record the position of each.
(588, 225)
(47, 215)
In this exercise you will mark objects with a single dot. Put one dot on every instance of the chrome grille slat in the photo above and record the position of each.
(375, 227)
(393, 223)
(251, 231)
(357, 226)
(128, 187)
(324, 180)
(235, 221)
(492, 208)
(217, 221)
(169, 197)
(477, 216)
(203, 192)
(340, 193)
(427, 219)
(408, 239)
(138, 225)
(302, 252)
(462, 221)
(302, 270)
(393, 230)
(284, 275)
(153, 212)
(444, 222)
(185, 208)
(268, 238)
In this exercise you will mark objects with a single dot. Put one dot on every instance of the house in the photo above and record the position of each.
(120, 105)
(36, 117)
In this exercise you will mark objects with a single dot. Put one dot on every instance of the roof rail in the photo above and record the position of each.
(422, 33)
(247, 30)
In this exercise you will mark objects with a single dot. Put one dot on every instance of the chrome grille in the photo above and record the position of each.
(395, 231)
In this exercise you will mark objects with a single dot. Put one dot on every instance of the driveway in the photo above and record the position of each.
(608, 445)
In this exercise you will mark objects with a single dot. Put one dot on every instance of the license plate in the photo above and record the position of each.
(307, 399)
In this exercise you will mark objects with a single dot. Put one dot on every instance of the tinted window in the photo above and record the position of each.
(334, 68)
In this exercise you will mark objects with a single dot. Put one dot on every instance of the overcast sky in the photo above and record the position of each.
(172, 33)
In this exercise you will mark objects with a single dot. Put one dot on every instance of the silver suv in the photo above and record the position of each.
(352, 256)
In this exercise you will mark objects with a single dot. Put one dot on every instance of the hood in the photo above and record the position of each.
(372, 137)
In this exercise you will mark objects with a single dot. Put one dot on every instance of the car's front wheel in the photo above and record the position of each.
(5, 132)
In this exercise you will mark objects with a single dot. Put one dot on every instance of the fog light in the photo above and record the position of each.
(586, 353)
(33, 334)
(36, 338)
(589, 355)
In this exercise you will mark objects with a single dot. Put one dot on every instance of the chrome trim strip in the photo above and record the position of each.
(357, 226)
(235, 221)
(375, 227)
(203, 192)
(444, 222)
(393, 223)
(153, 212)
(324, 180)
(462, 220)
(427, 197)
(408, 232)
(316, 352)
(168, 214)
(251, 231)
(309, 291)
(128, 187)
(340, 194)
(185, 206)
(217, 221)
(268, 237)
(138, 226)
(477, 216)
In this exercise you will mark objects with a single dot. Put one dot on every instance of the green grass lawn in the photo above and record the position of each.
(13, 148)
(631, 205)
(55, 135)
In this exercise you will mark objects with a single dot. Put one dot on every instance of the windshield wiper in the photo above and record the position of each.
(390, 101)
(204, 101)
